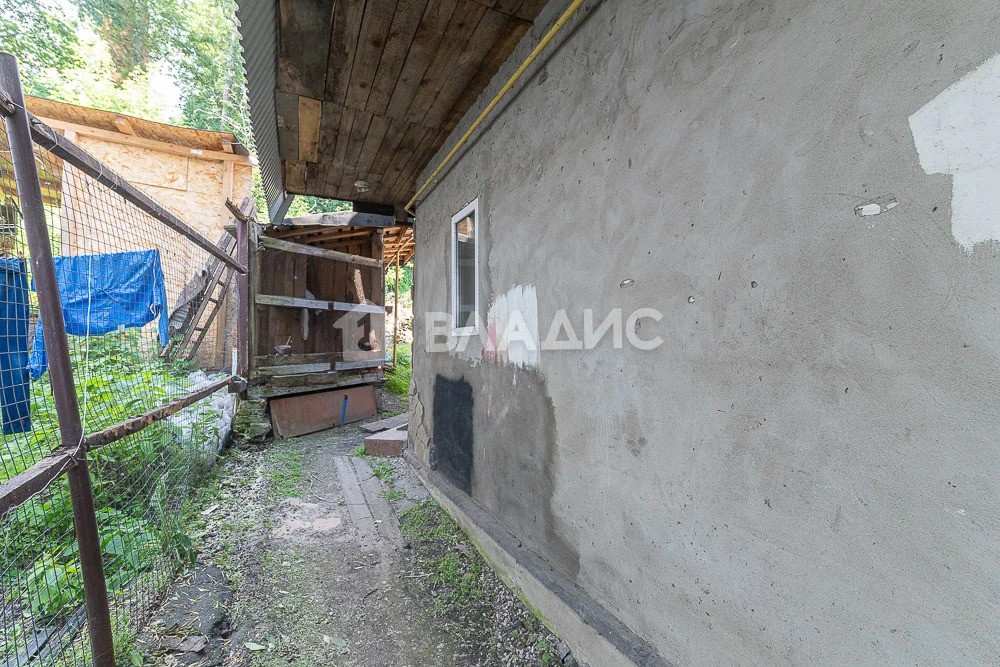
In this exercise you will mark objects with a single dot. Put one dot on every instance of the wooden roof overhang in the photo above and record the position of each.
(369, 91)
(343, 230)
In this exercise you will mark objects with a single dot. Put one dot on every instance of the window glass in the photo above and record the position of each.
(464, 230)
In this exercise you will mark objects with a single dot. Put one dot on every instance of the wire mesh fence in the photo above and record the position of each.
(131, 289)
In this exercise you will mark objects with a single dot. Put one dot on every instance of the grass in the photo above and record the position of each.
(452, 564)
(397, 380)
(284, 473)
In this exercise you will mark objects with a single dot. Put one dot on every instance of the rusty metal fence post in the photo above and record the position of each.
(60, 368)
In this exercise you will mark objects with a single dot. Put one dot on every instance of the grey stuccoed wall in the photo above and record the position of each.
(809, 192)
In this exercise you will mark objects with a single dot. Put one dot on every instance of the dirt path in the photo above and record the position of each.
(321, 571)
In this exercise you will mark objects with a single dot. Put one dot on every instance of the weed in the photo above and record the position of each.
(393, 495)
(397, 380)
(546, 650)
(381, 468)
(360, 451)
(284, 473)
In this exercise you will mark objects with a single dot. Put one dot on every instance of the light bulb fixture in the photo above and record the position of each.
(362, 186)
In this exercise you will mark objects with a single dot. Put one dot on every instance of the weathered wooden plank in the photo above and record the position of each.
(458, 33)
(373, 139)
(310, 115)
(316, 304)
(346, 24)
(432, 29)
(303, 45)
(295, 176)
(371, 43)
(488, 31)
(402, 187)
(317, 357)
(386, 151)
(343, 137)
(290, 302)
(294, 369)
(316, 173)
(355, 365)
(513, 33)
(21, 487)
(270, 391)
(387, 424)
(362, 120)
(329, 128)
(287, 108)
(370, 308)
(529, 9)
(338, 219)
(291, 246)
(404, 25)
(415, 134)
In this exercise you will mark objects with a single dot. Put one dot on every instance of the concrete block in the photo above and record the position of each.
(386, 443)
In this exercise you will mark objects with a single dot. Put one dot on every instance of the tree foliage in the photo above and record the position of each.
(38, 35)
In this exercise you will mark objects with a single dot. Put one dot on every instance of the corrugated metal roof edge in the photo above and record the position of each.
(258, 39)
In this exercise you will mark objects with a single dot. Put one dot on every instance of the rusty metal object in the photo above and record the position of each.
(60, 369)
(136, 424)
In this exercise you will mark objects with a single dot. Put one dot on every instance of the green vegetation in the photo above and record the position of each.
(405, 281)
(284, 473)
(397, 380)
(140, 489)
(453, 565)
(171, 61)
(381, 468)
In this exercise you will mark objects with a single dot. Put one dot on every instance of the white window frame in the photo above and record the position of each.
(473, 208)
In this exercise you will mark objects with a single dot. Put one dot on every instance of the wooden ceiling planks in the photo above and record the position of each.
(370, 90)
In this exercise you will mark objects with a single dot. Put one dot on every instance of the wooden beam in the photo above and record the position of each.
(354, 365)
(293, 369)
(338, 219)
(310, 115)
(121, 122)
(21, 487)
(316, 304)
(290, 246)
(155, 144)
(296, 384)
(290, 302)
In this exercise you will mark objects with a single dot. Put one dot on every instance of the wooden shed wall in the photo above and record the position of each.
(196, 190)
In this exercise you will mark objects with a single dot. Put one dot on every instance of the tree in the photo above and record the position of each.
(137, 32)
(38, 35)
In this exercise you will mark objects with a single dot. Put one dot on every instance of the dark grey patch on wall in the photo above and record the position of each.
(518, 456)
(453, 436)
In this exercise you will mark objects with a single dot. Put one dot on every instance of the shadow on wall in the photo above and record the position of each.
(517, 451)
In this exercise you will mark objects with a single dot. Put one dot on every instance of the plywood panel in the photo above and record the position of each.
(297, 415)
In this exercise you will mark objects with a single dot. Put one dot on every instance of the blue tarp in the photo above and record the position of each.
(15, 390)
(101, 293)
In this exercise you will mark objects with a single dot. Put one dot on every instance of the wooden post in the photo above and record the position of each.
(395, 311)
(29, 191)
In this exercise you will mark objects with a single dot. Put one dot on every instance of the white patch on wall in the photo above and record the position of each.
(512, 328)
(958, 133)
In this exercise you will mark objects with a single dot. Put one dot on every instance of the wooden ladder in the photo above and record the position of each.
(219, 275)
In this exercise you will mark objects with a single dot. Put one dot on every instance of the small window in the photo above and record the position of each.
(465, 269)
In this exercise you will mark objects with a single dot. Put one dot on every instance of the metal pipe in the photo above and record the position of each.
(60, 369)
(128, 427)
(553, 31)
